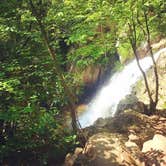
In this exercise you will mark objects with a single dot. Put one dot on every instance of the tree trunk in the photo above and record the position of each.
(154, 63)
(144, 76)
(69, 94)
(133, 42)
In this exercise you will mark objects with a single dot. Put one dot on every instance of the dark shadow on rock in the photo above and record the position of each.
(103, 149)
(153, 157)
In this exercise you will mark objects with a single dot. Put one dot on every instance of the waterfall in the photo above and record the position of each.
(104, 104)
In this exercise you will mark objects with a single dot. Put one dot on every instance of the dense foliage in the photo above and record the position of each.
(33, 93)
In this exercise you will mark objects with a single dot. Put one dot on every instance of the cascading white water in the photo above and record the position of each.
(120, 84)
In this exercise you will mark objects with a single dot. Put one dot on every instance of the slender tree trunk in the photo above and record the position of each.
(144, 76)
(133, 42)
(154, 62)
(69, 94)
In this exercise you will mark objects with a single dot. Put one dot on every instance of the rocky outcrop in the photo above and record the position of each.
(123, 140)
(105, 149)
(131, 102)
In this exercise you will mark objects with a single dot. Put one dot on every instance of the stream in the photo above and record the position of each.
(106, 100)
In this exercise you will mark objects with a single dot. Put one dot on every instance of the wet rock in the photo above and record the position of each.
(100, 122)
(130, 102)
(94, 76)
(121, 123)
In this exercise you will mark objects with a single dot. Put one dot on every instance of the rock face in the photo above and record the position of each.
(96, 75)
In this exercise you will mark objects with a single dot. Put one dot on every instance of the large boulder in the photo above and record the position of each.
(157, 143)
(155, 151)
(130, 102)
